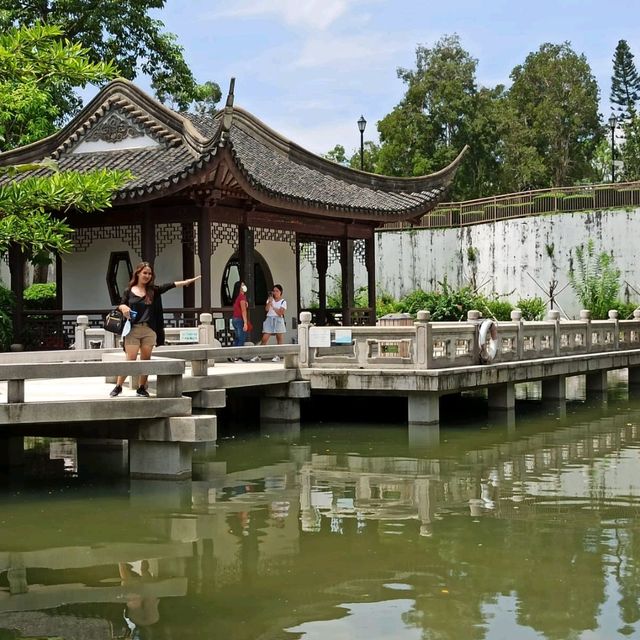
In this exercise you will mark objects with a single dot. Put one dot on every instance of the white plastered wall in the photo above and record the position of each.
(282, 263)
(84, 274)
(511, 254)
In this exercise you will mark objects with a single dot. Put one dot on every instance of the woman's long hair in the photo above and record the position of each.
(236, 290)
(150, 286)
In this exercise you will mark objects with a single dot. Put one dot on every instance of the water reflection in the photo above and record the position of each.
(347, 532)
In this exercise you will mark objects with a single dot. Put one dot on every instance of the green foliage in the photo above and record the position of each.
(442, 111)
(498, 309)
(25, 206)
(123, 31)
(595, 280)
(625, 82)
(554, 123)
(40, 296)
(7, 302)
(337, 154)
(625, 309)
(444, 304)
(532, 308)
(35, 65)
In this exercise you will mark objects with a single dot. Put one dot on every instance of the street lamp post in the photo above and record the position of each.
(362, 125)
(612, 124)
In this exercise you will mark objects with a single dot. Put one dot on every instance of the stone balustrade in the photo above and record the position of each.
(440, 345)
(87, 337)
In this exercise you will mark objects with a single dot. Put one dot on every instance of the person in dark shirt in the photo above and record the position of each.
(141, 304)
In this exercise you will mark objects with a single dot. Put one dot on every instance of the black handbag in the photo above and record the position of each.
(114, 322)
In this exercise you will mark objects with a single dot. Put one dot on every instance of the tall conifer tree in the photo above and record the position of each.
(625, 82)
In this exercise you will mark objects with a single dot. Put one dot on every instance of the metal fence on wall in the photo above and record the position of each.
(591, 197)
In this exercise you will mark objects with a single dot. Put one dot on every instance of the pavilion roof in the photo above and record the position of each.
(233, 151)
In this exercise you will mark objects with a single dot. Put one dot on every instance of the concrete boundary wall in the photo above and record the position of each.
(510, 254)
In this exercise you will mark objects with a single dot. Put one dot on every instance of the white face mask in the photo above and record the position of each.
(243, 288)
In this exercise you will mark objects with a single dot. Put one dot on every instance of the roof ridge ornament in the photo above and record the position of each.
(227, 117)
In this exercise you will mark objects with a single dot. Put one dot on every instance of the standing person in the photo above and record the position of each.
(141, 304)
(240, 319)
(274, 325)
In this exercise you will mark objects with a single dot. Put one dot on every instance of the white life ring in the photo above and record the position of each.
(488, 340)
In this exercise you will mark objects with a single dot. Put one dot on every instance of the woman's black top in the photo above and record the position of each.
(153, 313)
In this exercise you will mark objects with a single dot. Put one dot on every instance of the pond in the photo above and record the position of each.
(338, 531)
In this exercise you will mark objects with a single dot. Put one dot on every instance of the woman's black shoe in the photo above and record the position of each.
(142, 393)
(116, 391)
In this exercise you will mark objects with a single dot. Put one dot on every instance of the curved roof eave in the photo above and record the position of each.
(173, 121)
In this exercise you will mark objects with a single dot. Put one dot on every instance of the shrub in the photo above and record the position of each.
(40, 296)
(498, 309)
(595, 280)
(7, 302)
(532, 308)
(625, 309)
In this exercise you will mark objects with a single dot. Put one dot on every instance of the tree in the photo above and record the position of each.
(122, 31)
(34, 62)
(337, 154)
(553, 102)
(442, 111)
(625, 82)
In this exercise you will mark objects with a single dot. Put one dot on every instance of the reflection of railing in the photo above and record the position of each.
(437, 345)
(530, 203)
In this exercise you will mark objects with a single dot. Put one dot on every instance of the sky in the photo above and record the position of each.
(310, 68)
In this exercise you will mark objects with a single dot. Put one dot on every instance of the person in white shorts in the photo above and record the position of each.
(274, 324)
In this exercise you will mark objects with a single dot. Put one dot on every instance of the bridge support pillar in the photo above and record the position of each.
(424, 408)
(502, 397)
(634, 380)
(11, 452)
(279, 409)
(554, 388)
(596, 382)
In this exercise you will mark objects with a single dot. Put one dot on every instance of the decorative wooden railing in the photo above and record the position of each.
(592, 197)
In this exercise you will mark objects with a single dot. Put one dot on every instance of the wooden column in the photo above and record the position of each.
(148, 231)
(322, 264)
(346, 264)
(370, 262)
(204, 250)
(59, 299)
(188, 293)
(247, 260)
(16, 270)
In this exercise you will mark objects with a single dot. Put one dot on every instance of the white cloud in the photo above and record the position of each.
(307, 14)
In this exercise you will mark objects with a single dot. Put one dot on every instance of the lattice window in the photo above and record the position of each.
(608, 339)
(308, 252)
(633, 336)
(130, 234)
(545, 342)
(260, 234)
(360, 252)
(528, 344)
(578, 339)
(224, 233)
(172, 232)
(564, 340)
(333, 251)
(595, 337)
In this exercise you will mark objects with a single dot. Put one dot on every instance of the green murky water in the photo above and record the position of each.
(339, 532)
